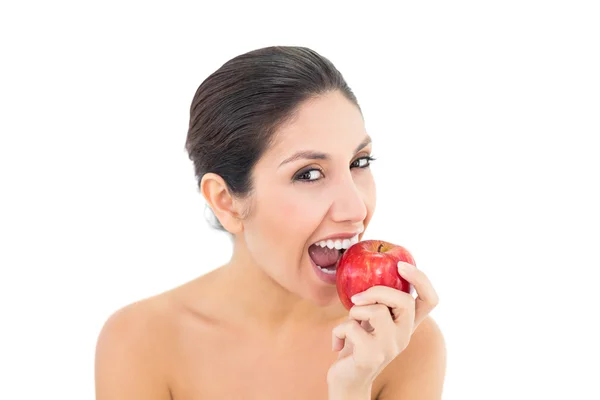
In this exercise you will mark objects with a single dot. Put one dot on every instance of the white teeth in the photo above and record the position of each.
(349, 242)
(327, 271)
(338, 243)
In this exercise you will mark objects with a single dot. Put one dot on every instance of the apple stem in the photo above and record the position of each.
(379, 248)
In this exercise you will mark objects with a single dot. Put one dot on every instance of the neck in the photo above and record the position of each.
(259, 300)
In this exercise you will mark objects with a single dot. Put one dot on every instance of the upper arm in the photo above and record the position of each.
(126, 364)
(418, 372)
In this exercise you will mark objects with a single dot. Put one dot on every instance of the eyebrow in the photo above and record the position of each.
(316, 155)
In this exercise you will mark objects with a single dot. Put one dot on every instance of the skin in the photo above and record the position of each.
(264, 326)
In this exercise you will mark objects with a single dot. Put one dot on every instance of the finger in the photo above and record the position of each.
(355, 341)
(427, 298)
(377, 316)
(352, 331)
(400, 303)
(347, 350)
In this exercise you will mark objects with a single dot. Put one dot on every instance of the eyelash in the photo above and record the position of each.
(301, 173)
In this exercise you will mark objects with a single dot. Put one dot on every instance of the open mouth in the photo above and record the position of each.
(325, 259)
(326, 253)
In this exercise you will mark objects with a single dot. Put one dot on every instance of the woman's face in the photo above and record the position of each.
(313, 183)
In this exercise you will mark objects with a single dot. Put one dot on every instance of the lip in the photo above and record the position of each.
(329, 279)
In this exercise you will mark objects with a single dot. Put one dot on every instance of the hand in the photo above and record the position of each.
(378, 328)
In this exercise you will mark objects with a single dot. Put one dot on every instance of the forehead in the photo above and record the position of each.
(327, 123)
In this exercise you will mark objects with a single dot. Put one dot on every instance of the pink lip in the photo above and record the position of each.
(329, 279)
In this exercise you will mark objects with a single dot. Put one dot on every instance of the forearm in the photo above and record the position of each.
(349, 394)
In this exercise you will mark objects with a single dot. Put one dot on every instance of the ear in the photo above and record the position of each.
(221, 202)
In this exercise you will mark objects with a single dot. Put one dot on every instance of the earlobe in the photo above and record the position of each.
(221, 202)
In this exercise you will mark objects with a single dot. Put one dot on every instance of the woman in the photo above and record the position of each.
(282, 158)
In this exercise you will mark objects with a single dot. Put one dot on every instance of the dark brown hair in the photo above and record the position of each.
(237, 109)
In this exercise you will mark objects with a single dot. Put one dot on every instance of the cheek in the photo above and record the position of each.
(369, 192)
(277, 231)
(298, 211)
(282, 216)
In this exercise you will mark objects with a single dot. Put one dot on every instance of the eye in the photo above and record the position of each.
(309, 175)
(362, 162)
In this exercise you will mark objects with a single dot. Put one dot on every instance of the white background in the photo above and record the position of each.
(485, 119)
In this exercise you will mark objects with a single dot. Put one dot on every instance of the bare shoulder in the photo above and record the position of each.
(130, 361)
(418, 372)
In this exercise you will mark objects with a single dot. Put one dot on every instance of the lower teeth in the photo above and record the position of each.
(327, 271)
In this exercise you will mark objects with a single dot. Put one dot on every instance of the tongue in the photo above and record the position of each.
(323, 256)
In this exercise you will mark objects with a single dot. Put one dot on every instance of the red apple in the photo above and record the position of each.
(370, 263)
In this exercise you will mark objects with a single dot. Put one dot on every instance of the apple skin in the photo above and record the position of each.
(370, 263)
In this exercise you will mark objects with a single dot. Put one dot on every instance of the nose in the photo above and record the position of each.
(349, 203)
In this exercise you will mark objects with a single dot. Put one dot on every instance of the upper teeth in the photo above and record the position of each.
(338, 243)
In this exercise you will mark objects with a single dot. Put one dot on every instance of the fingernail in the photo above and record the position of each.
(356, 298)
(405, 267)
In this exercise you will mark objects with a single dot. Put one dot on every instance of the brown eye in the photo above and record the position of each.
(310, 175)
(362, 162)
